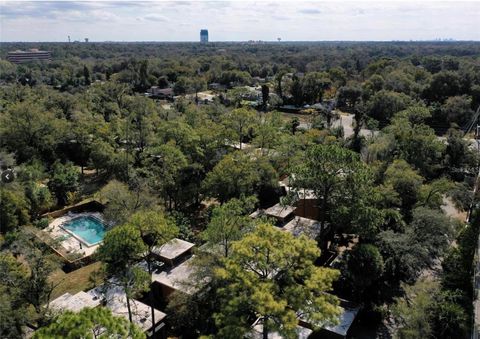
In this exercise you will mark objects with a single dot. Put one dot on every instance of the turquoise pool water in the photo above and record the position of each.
(89, 229)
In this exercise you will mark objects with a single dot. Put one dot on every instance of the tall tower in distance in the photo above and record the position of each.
(204, 36)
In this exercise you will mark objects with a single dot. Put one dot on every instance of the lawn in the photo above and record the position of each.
(303, 118)
(75, 281)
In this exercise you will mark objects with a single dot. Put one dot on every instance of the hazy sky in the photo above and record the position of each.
(238, 20)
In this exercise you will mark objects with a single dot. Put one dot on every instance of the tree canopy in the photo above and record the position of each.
(89, 323)
(271, 274)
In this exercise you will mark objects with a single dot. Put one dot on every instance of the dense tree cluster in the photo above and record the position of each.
(82, 127)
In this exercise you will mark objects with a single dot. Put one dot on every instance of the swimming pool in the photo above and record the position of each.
(88, 229)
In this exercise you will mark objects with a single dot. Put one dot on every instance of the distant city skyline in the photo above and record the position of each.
(238, 21)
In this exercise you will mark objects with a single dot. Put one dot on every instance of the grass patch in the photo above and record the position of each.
(76, 281)
(303, 118)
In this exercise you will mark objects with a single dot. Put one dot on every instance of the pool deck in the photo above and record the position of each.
(69, 242)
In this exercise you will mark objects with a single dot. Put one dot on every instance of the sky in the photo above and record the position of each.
(238, 20)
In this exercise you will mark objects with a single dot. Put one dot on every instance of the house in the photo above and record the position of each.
(173, 252)
(282, 214)
(258, 80)
(299, 225)
(330, 104)
(257, 332)
(289, 109)
(317, 106)
(252, 93)
(161, 93)
(237, 145)
(288, 221)
(75, 302)
(178, 273)
(180, 278)
(113, 297)
(349, 312)
(215, 86)
(305, 330)
(306, 201)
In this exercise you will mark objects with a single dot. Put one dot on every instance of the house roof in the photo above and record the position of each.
(116, 302)
(257, 332)
(141, 313)
(165, 91)
(256, 214)
(279, 211)
(173, 249)
(75, 302)
(348, 314)
(179, 278)
(299, 225)
(302, 193)
(346, 319)
(237, 145)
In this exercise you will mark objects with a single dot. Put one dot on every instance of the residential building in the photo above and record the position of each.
(160, 93)
(179, 278)
(298, 226)
(305, 330)
(281, 213)
(113, 297)
(178, 271)
(174, 251)
(349, 312)
(257, 332)
(216, 86)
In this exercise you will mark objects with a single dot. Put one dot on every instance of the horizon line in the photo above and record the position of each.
(237, 41)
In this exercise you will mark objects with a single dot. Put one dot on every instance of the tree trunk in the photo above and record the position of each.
(265, 330)
(226, 248)
(129, 309)
(304, 203)
(149, 267)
